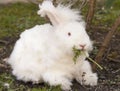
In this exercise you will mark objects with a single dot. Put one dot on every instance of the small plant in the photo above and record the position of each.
(78, 52)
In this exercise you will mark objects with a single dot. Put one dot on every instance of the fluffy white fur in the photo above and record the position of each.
(44, 53)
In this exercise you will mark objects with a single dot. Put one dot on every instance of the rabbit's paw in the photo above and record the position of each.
(56, 78)
(89, 79)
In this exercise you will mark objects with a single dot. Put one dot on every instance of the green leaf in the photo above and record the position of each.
(77, 53)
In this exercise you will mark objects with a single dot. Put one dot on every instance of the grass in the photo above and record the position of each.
(107, 16)
(15, 18)
(8, 83)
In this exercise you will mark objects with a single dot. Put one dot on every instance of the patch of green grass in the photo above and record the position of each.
(5, 81)
(8, 83)
(15, 18)
(107, 16)
(104, 17)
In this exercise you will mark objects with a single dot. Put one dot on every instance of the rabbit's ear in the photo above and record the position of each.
(55, 20)
(47, 9)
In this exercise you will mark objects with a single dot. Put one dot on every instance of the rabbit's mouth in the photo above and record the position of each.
(78, 52)
(81, 47)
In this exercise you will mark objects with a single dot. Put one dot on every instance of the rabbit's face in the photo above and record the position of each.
(74, 36)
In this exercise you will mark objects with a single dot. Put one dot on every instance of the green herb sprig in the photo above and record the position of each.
(78, 52)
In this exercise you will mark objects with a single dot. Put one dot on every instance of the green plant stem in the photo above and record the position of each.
(90, 59)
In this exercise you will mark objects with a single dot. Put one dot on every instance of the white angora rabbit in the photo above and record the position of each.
(44, 53)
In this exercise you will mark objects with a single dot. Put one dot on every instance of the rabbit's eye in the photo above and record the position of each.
(69, 34)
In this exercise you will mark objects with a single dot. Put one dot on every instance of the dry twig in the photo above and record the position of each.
(107, 41)
(90, 14)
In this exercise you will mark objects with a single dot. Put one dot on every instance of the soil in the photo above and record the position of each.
(109, 77)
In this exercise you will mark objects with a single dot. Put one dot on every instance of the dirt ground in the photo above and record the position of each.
(109, 78)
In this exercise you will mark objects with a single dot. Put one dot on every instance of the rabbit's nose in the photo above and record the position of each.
(82, 46)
